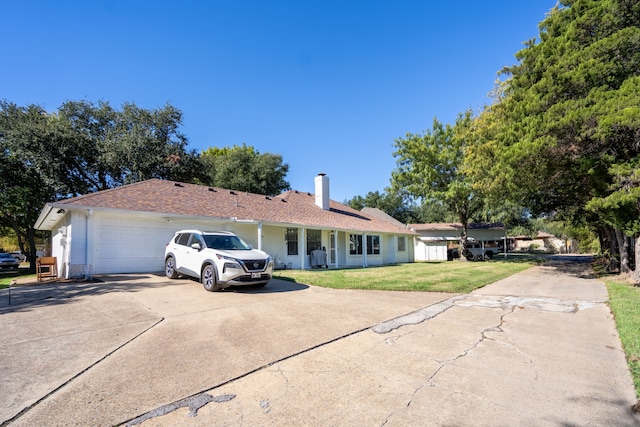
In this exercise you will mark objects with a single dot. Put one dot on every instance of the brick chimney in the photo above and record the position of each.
(322, 191)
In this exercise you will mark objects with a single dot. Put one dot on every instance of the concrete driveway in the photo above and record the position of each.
(539, 348)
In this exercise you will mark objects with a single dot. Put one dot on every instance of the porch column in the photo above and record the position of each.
(302, 247)
(259, 236)
(364, 250)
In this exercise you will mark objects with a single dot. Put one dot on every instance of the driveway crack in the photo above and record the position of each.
(82, 372)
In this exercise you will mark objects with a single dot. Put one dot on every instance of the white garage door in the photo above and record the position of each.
(130, 245)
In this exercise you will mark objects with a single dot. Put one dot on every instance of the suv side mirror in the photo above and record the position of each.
(196, 246)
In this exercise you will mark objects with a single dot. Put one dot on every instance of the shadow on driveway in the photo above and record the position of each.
(33, 295)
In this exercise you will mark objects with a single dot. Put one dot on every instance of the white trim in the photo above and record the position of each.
(439, 239)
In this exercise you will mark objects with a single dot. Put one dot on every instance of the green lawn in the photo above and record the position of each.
(452, 276)
(7, 276)
(624, 300)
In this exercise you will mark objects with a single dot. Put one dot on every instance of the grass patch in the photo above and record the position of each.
(624, 299)
(453, 276)
(7, 276)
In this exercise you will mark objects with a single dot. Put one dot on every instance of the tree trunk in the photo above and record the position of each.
(612, 240)
(30, 240)
(636, 250)
(623, 244)
(463, 242)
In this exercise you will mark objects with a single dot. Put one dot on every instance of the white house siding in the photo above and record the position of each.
(388, 246)
(76, 245)
(108, 242)
(59, 242)
(403, 256)
(273, 243)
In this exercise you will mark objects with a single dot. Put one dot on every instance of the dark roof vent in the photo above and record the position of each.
(232, 192)
(212, 189)
(267, 197)
(177, 184)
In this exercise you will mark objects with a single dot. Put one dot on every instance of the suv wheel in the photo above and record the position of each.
(209, 278)
(170, 268)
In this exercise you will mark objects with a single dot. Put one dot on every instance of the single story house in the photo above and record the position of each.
(125, 229)
(434, 239)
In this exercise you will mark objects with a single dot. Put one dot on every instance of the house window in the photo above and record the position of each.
(355, 244)
(373, 245)
(402, 243)
(313, 240)
(291, 237)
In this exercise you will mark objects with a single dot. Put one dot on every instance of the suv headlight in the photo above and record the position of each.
(230, 262)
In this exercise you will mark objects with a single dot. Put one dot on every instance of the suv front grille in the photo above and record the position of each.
(254, 264)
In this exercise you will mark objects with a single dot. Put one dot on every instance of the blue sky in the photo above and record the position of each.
(329, 85)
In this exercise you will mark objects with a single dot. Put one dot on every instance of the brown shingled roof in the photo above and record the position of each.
(174, 198)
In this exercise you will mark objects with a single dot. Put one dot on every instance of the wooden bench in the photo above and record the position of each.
(47, 268)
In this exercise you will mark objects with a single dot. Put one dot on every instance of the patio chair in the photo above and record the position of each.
(47, 268)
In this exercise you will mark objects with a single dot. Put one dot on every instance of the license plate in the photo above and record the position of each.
(255, 275)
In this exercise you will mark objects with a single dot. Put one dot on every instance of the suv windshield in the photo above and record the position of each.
(225, 243)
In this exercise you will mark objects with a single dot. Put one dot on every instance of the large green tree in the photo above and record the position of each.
(431, 167)
(568, 112)
(82, 148)
(26, 181)
(393, 203)
(244, 168)
(120, 147)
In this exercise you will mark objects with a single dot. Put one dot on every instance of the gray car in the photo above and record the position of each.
(8, 262)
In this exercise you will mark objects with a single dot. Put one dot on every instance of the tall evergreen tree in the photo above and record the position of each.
(568, 118)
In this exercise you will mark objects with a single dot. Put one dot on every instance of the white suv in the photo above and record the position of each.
(219, 259)
(477, 252)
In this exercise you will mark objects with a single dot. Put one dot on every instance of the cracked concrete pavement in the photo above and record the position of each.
(538, 348)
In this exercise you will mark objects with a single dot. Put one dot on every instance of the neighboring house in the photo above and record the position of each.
(434, 239)
(543, 242)
(125, 229)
